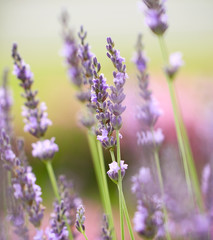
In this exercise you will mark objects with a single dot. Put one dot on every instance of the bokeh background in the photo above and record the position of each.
(35, 26)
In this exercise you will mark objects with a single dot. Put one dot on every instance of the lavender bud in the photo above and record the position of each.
(175, 62)
(45, 150)
(114, 170)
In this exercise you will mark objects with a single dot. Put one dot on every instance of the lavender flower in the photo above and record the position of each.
(70, 52)
(114, 169)
(149, 218)
(36, 121)
(45, 150)
(80, 218)
(149, 112)
(175, 62)
(106, 232)
(155, 16)
(23, 182)
(99, 97)
(58, 229)
(117, 96)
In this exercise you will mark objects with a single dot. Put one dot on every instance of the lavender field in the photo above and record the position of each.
(106, 120)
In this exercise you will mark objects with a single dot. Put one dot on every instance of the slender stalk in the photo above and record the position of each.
(94, 152)
(84, 234)
(189, 153)
(105, 188)
(120, 185)
(176, 118)
(127, 218)
(55, 189)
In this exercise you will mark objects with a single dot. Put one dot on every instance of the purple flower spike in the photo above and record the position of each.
(45, 150)
(149, 111)
(117, 96)
(36, 121)
(155, 16)
(114, 169)
(80, 219)
(149, 218)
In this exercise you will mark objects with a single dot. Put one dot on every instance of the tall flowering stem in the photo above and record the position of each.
(148, 114)
(156, 19)
(188, 160)
(117, 169)
(36, 121)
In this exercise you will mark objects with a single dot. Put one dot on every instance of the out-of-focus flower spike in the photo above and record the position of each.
(106, 231)
(80, 219)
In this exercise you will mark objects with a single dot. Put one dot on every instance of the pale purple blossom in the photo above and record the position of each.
(45, 150)
(175, 62)
(150, 138)
(114, 170)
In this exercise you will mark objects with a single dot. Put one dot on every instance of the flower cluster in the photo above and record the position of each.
(155, 16)
(36, 120)
(99, 97)
(149, 112)
(114, 170)
(117, 96)
(149, 218)
(23, 181)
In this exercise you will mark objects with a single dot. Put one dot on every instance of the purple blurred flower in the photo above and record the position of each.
(148, 138)
(106, 231)
(6, 102)
(58, 229)
(149, 218)
(155, 16)
(45, 150)
(70, 198)
(80, 219)
(114, 169)
(23, 181)
(175, 62)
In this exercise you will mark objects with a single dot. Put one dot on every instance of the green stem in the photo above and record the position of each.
(94, 152)
(55, 189)
(120, 185)
(192, 169)
(84, 234)
(127, 218)
(177, 124)
(105, 188)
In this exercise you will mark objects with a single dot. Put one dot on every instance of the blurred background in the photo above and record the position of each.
(35, 26)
